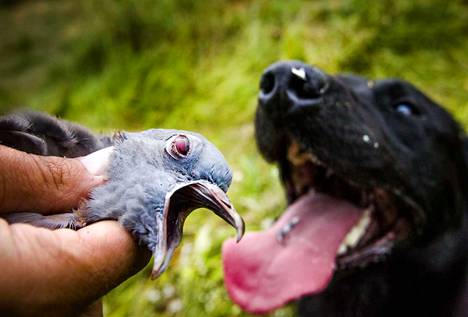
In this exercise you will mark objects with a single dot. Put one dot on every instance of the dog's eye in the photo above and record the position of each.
(406, 109)
(178, 146)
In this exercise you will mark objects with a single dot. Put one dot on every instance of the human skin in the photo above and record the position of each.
(60, 272)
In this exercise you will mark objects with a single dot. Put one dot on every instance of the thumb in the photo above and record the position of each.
(44, 184)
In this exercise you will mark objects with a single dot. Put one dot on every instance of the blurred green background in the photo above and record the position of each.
(137, 64)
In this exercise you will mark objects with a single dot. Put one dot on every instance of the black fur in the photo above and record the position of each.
(41, 134)
(360, 129)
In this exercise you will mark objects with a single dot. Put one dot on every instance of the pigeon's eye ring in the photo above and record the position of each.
(178, 146)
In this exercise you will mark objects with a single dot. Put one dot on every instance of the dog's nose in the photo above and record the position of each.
(287, 85)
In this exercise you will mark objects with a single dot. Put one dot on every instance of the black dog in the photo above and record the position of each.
(376, 178)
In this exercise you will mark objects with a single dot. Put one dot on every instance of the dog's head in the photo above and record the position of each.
(371, 169)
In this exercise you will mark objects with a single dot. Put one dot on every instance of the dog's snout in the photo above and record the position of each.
(291, 85)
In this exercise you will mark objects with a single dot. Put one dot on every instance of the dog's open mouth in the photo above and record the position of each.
(384, 220)
(331, 224)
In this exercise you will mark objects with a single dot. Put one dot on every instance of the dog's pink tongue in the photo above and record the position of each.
(263, 272)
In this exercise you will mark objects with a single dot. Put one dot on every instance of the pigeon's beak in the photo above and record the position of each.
(179, 203)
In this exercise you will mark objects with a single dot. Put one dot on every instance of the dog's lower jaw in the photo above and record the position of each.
(428, 281)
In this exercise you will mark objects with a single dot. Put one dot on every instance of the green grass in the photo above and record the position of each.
(195, 65)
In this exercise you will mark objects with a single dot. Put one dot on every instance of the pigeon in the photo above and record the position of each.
(154, 180)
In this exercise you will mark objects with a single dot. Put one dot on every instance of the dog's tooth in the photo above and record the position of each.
(299, 160)
(294, 155)
(358, 230)
(342, 249)
(355, 234)
(297, 157)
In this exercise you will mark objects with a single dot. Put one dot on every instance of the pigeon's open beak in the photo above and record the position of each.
(179, 203)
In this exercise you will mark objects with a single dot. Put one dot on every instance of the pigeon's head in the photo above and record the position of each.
(155, 179)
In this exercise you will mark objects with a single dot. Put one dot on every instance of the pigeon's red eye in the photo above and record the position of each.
(181, 145)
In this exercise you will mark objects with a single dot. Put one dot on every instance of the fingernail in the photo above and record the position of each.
(98, 162)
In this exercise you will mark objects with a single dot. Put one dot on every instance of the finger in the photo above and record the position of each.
(64, 270)
(43, 184)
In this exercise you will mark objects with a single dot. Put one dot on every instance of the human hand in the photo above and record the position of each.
(57, 272)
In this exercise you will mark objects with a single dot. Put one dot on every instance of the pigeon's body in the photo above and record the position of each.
(155, 179)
